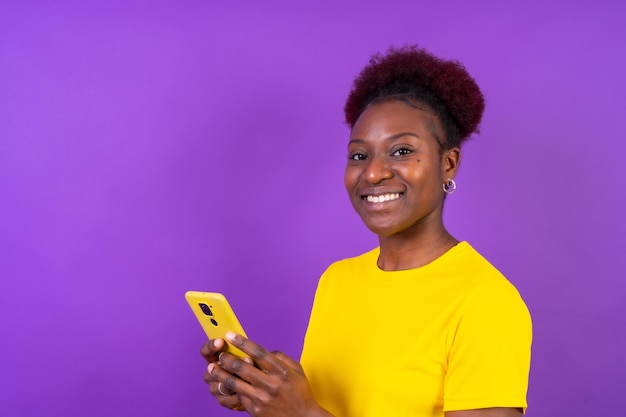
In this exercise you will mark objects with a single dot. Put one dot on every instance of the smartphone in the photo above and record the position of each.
(215, 316)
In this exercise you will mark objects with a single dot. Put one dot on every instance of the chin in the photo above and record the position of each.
(382, 230)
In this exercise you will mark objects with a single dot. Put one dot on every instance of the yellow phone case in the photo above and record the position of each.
(215, 316)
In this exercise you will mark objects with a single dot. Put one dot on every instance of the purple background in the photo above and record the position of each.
(152, 147)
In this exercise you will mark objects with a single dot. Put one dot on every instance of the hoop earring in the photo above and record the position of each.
(449, 187)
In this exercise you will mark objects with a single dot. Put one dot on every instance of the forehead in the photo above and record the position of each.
(394, 116)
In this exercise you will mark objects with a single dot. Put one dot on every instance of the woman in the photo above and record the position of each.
(422, 325)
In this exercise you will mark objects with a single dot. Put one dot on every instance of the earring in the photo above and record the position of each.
(449, 187)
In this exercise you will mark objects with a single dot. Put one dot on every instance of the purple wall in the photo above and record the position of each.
(149, 148)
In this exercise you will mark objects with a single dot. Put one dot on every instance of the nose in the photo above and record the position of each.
(377, 170)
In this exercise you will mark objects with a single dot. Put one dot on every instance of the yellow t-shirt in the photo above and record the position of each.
(451, 335)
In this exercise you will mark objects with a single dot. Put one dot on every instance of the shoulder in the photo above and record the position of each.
(471, 261)
(480, 289)
(481, 276)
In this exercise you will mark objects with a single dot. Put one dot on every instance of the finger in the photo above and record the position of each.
(225, 398)
(223, 392)
(251, 380)
(237, 365)
(288, 362)
(208, 378)
(230, 381)
(258, 353)
(211, 349)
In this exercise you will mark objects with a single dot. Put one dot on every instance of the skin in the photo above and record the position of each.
(393, 150)
(274, 385)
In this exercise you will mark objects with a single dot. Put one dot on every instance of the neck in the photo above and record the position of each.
(400, 252)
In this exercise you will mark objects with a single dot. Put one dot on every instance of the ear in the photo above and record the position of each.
(450, 159)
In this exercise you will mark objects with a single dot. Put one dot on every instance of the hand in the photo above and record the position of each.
(275, 387)
(211, 351)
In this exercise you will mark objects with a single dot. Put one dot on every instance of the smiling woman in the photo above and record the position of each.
(457, 334)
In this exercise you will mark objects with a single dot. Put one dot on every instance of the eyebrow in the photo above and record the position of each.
(389, 138)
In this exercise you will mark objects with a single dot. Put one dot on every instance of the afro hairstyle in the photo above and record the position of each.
(410, 74)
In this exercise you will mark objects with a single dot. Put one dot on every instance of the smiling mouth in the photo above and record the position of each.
(381, 198)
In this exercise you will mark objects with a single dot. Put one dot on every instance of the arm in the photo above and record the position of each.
(275, 387)
(490, 355)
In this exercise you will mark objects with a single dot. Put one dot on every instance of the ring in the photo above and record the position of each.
(219, 389)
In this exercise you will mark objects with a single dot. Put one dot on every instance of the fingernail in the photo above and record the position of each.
(210, 368)
(220, 356)
(230, 336)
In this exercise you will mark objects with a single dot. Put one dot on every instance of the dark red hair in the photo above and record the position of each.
(410, 74)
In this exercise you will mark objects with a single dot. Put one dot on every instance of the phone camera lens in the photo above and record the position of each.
(206, 309)
(214, 322)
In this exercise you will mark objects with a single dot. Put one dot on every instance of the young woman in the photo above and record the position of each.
(457, 334)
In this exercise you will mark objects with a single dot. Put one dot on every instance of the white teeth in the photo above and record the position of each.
(382, 198)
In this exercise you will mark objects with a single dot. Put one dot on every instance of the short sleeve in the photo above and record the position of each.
(489, 350)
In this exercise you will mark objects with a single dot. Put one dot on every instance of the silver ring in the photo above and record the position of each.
(219, 389)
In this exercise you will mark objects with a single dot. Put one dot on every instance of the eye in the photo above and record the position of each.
(402, 152)
(356, 156)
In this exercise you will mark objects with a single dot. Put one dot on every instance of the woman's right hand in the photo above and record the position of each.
(211, 351)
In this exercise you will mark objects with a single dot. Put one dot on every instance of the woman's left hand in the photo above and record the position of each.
(275, 387)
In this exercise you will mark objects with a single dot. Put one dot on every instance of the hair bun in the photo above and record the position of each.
(413, 69)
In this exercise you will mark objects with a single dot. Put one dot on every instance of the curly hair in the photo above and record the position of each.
(413, 75)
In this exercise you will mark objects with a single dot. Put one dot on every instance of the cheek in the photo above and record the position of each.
(349, 178)
(423, 176)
